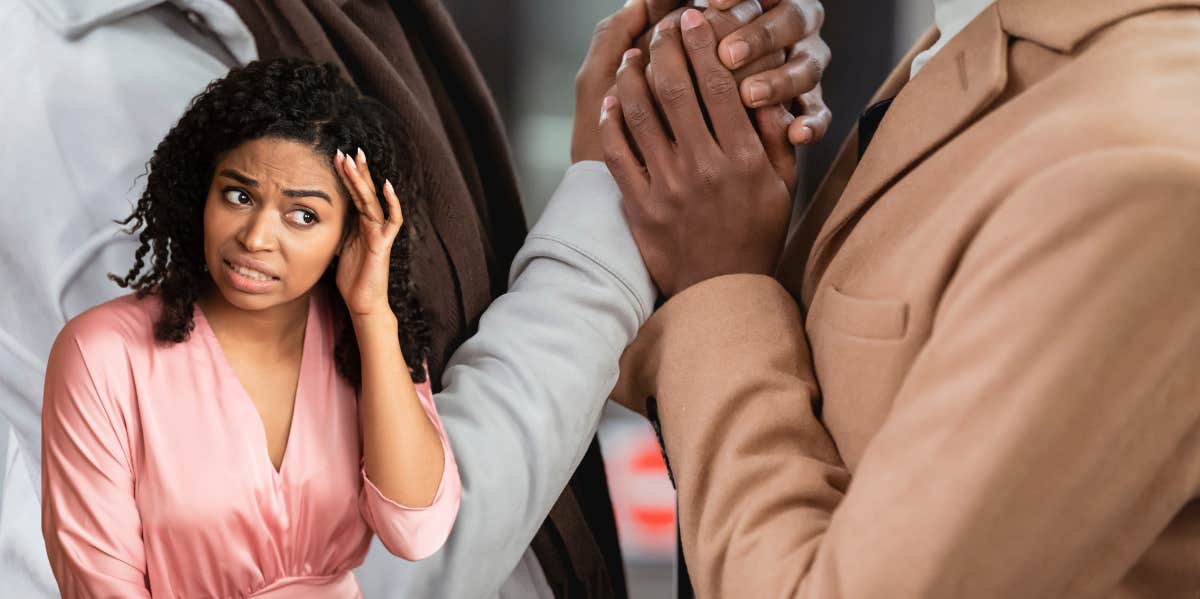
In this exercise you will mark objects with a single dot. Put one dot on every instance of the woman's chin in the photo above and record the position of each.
(251, 301)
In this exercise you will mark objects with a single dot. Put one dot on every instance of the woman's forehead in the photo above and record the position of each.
(280, 162)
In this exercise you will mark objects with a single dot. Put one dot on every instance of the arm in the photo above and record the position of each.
(522, 397)
(1044, 437)
(90, 520)
(406, 460)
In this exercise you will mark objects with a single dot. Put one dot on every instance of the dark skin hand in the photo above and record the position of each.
(780, 49)
(706, 203)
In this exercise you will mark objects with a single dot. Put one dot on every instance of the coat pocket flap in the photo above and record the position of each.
(884, 319)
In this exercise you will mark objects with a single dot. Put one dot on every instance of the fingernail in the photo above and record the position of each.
(737, 52)
(691, 19)
(340, 155)
(352, 165)
(361, 156)
(387, 183)
(758, 91)
(630, 54)
(805, 135)
(665, 25)
(605, 106)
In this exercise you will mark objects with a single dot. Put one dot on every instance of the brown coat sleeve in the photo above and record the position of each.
(1043, 438)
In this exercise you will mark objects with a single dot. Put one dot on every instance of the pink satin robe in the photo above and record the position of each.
(156, 479)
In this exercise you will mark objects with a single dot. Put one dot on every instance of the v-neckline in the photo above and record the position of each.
(264, 448)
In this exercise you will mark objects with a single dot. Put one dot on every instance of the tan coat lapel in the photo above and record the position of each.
(800, 242)
(948, 94)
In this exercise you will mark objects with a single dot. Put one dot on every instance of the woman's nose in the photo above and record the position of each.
(258, 233)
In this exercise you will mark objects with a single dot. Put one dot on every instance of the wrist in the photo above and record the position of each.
(373, 322)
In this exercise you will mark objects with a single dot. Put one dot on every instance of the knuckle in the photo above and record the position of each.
(603, 26)
(663, 40)
(817, 16)
(674, 187)
(760, 38)
(613, 156)
(706, 173)
(817, 66)
(721, 20)
(699, 41)
(720, 85)
(747, 158)
(673, 93)
(637, 115)
(794, 15)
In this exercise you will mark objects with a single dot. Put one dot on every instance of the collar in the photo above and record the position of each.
(951, 17)
(1063, 24)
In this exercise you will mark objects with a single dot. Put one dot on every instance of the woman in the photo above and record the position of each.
(242, 423)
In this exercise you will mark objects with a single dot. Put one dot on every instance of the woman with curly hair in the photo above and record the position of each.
(242, 423)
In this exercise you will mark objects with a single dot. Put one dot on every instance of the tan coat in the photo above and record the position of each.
(1002, 301)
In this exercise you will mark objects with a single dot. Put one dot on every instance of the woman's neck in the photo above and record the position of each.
(271, 333)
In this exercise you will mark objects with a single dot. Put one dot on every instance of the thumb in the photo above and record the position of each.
(614, 35)
(773, 122)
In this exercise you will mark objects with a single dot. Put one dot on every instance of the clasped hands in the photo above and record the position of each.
(706, 185)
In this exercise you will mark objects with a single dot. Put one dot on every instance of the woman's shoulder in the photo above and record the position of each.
(116, 326)
(87, 373)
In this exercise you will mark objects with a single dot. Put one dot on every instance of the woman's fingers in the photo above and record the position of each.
(773, 124)
(674, 90)
(727, 4)
(639, 111)
(814, 120)
(716, 83)
(395, 213)
(346, 174)
(618, 155)
(777, 29)
(796, 77)
(360, 185)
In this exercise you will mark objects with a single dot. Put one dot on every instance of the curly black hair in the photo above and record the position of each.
(286, 99)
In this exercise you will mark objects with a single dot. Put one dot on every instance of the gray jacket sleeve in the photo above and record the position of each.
(522, 398)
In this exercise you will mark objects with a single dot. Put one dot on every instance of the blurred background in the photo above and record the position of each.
(529, 51)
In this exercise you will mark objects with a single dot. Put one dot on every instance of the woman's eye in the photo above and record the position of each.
(303, 218)
(237, 197)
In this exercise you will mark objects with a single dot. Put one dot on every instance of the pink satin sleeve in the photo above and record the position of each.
(90, 521)
(408, 532)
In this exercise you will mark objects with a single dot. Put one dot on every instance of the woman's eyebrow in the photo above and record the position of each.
(307, 193)
(240, 178)
(291, 193)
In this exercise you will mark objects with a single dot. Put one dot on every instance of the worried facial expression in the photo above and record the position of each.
(274, 219)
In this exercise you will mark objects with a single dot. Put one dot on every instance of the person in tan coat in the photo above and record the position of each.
(976, 371)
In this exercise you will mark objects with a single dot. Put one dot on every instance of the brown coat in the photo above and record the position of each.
(408, 55)
(991, 386)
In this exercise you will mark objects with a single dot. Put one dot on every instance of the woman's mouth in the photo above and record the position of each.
(249, 280)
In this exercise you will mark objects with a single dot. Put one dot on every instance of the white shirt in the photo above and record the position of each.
(93, 86)
(951, 17)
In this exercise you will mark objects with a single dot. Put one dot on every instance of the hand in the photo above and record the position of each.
(793, 25)
(698, 207)
(613, 36)
(366, 255)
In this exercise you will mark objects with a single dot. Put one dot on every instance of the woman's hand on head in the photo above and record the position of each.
(703, 204)
(366, 254)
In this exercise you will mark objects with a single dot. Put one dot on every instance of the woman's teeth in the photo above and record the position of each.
(250, 273)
